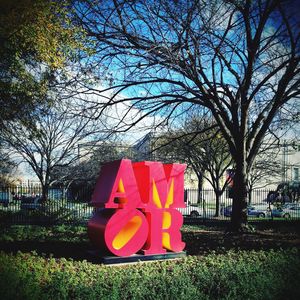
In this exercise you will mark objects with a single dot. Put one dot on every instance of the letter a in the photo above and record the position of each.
(116, 186)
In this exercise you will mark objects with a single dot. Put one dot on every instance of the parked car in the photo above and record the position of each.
(191, 211)
(260, 210)
(196, 211)
(31, 202)
(227, 211)
(5, 198)
(288, 210)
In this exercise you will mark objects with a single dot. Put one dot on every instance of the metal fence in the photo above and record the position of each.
(23, 205)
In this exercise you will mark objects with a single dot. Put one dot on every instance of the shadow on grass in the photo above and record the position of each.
(199, 239)
(265, 235)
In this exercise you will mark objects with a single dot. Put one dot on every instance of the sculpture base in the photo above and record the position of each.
(111, 260)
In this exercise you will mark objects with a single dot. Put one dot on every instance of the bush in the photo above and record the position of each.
(234, 275)
(62, 233)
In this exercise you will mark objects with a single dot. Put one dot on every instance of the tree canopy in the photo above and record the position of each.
(37, 39)
(238, 59)
(52, 140)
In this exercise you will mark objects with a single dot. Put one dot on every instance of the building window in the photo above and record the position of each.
(296, 174)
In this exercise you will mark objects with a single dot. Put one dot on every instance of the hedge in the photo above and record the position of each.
(62, 233)
(234, 275)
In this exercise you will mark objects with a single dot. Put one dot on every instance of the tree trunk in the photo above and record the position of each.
(45, 189)
(240, 193)
(217, 214)
(200, 184)
(250, 194)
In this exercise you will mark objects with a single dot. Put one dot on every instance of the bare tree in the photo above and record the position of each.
(50, 140)
(266, 168)
(176, 145)
(204, 150)
(216, 160)
(86, 171)
(239, 59)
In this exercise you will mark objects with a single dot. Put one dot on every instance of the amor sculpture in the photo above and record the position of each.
(136, 208)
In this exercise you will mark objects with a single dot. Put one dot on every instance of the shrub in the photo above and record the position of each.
(63, 233)
(234, 275)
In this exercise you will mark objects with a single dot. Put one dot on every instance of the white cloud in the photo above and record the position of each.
(117, 114)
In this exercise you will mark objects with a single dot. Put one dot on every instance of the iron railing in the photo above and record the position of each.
(24, 205)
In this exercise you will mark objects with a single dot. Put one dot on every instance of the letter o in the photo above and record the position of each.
(126, 232)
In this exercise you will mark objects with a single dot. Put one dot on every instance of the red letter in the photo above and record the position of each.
(160, 186)
(123, 231)
(164, 231)
(126, 232)
(116, 186)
